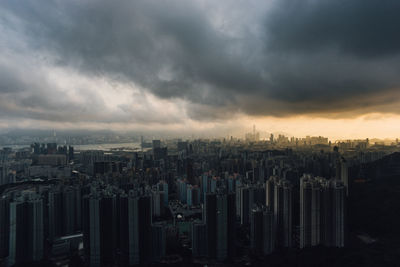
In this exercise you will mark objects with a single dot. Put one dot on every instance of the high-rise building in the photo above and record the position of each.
(238, 197)
(199, 239)
(3, 174)
(78, 208)
(26, 240)
(283, 213)
(268, 231)
(344, 174)
(193, 195)
(258, 193)
(163, 186)
(246, 196)
(182, 190)
(100, 228)
(129, 229)
(220, 215)
(269, 191)
(213, 184)
(135, 228)
(222, 227)
(145, 221)
(158, 241)
(322, 210)
(262, 235)
(204, 186)
(55, 210)
(18, 232)
(231, 184)
(333, 214)
(35, 206)
(70, 153)
(158, 203)
(310, 210)
(4, 225)
(246, 203)
(210, 218)
(69, 211)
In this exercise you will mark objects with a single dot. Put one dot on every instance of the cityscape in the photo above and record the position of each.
(229, 201)
(199, 133)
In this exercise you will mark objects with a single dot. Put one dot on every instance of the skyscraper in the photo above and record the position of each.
(204, 186)
(246, 203)
(100, 228)
(70, 153)
(145, 221)
(210, 218)
(26, 229)
(182, 190)
(163, 186)
(193, 195)
(344, 174)
(220, 214)
(222, 227)
(129, 229)
(69, 211)
(322, 204)
(199, 239)
(268, 231)
(310, 206)
(157, 202)
(158, 235)
(3, 174)
(55, 214)
(262, 235)
(333, 210)
(269, 191)
(283, 213)
(4, 225)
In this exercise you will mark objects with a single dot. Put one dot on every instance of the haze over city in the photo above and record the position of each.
(325, 68)
(199, 133)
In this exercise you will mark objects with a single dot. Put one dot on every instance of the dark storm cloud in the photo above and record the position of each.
(363, 28)
(333, 56)
(295, 57)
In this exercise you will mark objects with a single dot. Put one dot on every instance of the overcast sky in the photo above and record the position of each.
(319, 67)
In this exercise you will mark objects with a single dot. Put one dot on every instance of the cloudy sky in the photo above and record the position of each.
(318, 67)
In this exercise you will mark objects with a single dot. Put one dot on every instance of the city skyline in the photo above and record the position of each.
(303, 68)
